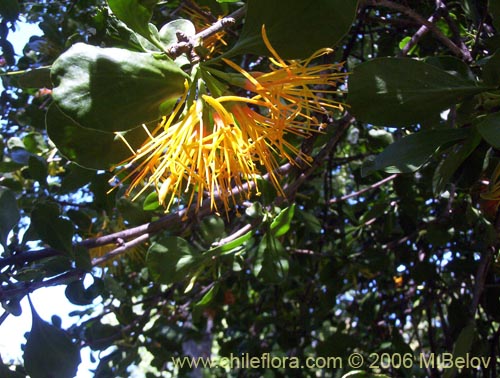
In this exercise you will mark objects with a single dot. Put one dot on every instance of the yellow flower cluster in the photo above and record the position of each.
(210, 145)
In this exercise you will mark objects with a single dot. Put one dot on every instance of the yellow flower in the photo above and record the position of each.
(205, 153)
(211, 145)
(295, 91)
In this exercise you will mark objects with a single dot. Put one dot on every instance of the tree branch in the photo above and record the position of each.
(465, 55)
(186, 44)
(364, 190)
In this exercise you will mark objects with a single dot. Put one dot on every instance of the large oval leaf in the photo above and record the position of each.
(296, 28)
(86, 147)
(399, 91)
(49, 351)
(410, 153)
(489, 128)
(111, 89)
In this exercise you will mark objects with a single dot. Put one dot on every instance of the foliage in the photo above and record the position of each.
(370, 230)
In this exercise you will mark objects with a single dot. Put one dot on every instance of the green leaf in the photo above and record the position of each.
(494, 11)
(9, 10)
(411, 152)
(168, 36)
(211, 228)
(33, 78)
(281, 224)
(136, 14)
(454, 159)
(9, 216)
(229, 246)
(326, 23)
(208, 297)
(462, 346)
(37, 168)
(76, 294)
(51, 228)
(49, 351)
(489, 128)
(151, 202)
(111, 89)
(382, 92)
(90, 148)
(169, 259)
(491, 70)
(274, 262)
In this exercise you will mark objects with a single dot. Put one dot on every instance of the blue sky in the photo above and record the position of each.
(47, 301)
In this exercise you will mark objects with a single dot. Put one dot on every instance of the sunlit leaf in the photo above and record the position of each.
(136, 14)
(112, 89)
(281, 224)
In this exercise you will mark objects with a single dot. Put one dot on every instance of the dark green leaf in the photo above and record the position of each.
(34, 78)
(326, 23)
(112, 89)
(90, 148)
(489, 128)
(132, 212)
(37, 168)
(51, 228)
(382, 91)
(9, 10)
(456, 156)
(281, 224)
(274, 262)
(49, 351)
(410, 153)
(462, 346)
(494, 10)
(9, 216)
(134, 13)
(211, 228)
(170, 259)
(491, 70)
(76, 294)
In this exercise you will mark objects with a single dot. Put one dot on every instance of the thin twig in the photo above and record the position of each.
(364, 190)
(188, 44)
(420, 33)
(321, 157)
(465, 55)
